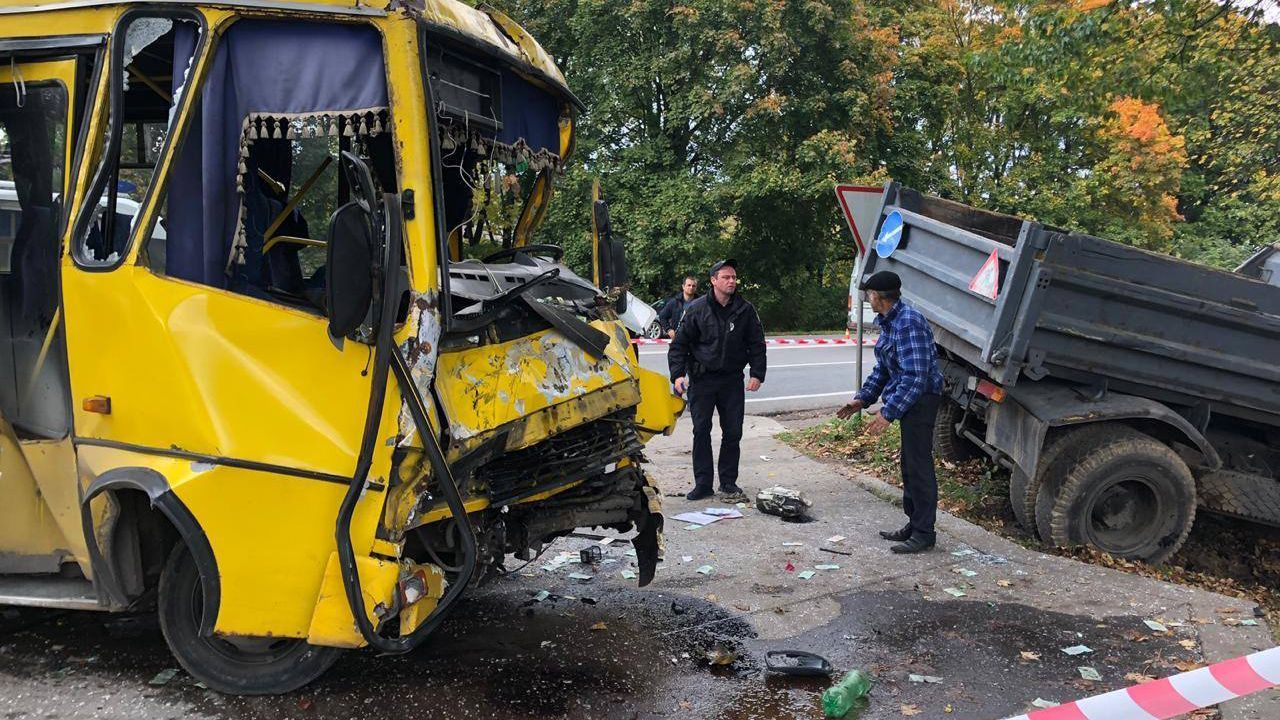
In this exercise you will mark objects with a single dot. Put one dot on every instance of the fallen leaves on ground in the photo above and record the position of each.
(1224, 556)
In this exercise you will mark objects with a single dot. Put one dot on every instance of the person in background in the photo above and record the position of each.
(906, 375)
(719, 335)
(673, 309)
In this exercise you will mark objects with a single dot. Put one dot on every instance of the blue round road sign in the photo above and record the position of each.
(890, 235)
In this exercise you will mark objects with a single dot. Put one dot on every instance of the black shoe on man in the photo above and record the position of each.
(897, 535)
(914, 544)
(699, 492)
(732, 492)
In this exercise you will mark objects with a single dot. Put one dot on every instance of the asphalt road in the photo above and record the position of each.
(982, 617)
(800, 377)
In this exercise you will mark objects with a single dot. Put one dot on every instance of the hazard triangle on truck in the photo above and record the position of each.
(987, 281)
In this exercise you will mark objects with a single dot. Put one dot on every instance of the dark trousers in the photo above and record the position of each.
(725, 394)
(919, 481)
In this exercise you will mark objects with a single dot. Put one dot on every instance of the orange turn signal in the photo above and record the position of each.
(100, 404)
(988, 389)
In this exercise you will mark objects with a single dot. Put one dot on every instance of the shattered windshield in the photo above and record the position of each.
(501, 152)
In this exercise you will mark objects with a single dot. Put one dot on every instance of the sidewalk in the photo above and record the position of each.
(903, 615)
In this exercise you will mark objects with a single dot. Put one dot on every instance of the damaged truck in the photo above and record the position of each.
(264, 369)
(1125, 390)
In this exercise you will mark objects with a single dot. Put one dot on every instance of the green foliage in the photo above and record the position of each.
(718, 127)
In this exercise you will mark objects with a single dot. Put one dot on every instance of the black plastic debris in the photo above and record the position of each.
(797, 663)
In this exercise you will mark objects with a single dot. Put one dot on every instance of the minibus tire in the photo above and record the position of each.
(236, 666)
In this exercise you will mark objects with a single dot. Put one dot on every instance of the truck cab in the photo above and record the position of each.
(343, 379)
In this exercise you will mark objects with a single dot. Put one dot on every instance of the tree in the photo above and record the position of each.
(719, 128)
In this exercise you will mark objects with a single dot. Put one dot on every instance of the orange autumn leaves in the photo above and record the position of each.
(1141, 169)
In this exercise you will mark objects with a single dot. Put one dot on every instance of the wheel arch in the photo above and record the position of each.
(145, 500)
(1019, 428)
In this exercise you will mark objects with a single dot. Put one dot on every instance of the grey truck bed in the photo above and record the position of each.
(1087, 310)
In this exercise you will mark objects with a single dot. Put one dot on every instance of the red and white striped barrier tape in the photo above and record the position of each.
(1176, 695)
(775, 341)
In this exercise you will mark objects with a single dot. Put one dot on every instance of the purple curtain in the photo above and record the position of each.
(259, 67)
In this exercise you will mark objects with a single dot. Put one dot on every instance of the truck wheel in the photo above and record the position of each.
(1056, 462)
(1133, 497)
(239, 666)
(946, 443)
(1024, 490)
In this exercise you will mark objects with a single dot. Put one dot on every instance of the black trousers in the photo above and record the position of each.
(726, 395)
(919, 480)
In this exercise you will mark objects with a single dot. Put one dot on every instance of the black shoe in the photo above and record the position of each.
(897, 535)
(731, 491)
(916, 544)
(699, 492)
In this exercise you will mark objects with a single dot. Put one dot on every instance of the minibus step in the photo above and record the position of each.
(48, 591)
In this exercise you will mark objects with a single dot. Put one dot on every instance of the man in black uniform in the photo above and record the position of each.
(719, 336)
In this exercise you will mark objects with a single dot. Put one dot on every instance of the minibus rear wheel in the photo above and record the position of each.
(238, 666)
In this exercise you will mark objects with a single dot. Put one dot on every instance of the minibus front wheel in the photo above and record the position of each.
(238, 666)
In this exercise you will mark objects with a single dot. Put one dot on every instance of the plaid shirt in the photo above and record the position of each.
(906, 362)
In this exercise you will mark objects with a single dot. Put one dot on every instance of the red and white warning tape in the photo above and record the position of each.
(776, 341)
(1176, 695)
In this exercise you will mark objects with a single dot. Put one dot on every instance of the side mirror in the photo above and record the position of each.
(619, 275)
(603, 255)
(610, 271)
(350, 252)
(349, 269)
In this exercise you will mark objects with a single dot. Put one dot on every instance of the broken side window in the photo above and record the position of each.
(156, 55)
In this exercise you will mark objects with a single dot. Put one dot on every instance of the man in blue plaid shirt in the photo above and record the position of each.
(907, 381)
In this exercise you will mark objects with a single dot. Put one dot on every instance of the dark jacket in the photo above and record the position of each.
(718, 341)
(671, 312)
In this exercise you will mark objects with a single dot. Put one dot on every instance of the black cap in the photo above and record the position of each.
(883, 281)
(723, 264)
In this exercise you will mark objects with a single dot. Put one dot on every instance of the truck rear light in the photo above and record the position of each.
(991, 391)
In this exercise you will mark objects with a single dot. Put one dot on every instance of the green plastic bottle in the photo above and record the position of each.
(838, 698)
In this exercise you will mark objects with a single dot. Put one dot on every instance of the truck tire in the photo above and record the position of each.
(248, 666)
(946, 443)
(1249, 497)
(1132, 497)
(1060, 448)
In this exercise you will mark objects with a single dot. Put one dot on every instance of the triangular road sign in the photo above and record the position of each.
(987, 281)
(861, 208)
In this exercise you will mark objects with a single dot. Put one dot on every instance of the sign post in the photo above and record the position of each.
(860, 205)
(857, 273)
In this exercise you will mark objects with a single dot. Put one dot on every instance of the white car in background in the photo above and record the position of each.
(868, 315)
(11, 212)
(640, 318)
